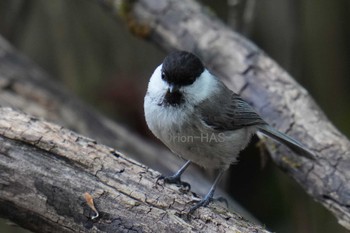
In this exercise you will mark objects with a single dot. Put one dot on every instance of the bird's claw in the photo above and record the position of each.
(202, 203)
(205, 201)
(222, 200)
(175, 180)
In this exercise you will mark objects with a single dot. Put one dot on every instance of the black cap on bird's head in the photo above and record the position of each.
(181, 68)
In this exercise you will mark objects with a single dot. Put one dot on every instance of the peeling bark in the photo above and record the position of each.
(272, 91)
(45, 170)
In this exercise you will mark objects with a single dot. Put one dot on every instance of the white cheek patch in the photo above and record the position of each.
(156, 83)
(204, 86)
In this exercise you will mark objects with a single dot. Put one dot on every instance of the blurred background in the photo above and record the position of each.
(93, 55)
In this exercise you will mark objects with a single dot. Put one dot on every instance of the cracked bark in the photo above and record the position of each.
(272, 91)
(45, 170)
(242, 66)
(26, 87)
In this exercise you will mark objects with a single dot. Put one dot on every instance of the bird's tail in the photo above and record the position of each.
(291, 143)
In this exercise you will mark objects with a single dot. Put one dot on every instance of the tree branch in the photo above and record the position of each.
(46, 169)
(244, 68)
(26, 87)
(247, 70)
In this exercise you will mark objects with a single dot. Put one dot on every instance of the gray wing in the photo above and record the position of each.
(228, 111)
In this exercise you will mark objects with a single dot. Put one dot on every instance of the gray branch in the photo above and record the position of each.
(25, 86)
(170, 24)
(272, 91)
(26, 172)
(46, 171)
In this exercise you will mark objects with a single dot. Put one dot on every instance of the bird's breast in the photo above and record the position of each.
(162, 119)
(180, 130)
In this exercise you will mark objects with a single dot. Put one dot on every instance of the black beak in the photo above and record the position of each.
(173, 96)
(173, 88)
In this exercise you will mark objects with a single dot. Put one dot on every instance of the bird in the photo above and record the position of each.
(201, 120)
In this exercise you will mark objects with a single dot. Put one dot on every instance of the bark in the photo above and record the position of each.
(272, 91)
(45, 170)
(25, 86)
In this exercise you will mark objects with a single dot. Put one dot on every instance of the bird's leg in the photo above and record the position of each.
(209, 197)
(176, 178)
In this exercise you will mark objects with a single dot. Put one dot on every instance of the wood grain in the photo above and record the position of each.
(46, 170)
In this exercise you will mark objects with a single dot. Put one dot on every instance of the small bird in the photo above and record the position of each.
(199, 119)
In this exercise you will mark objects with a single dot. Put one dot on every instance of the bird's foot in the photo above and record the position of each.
(205, 202)
(202, 203)
(175, 179)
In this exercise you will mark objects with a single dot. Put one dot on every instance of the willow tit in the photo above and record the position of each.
(198, 118)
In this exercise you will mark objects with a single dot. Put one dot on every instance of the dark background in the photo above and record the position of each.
(94, 55)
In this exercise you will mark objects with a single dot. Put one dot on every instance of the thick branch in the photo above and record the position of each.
(24, 86)
(45, 170)
(247, 70)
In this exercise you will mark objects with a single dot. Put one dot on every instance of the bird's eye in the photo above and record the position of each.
(163, 75)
